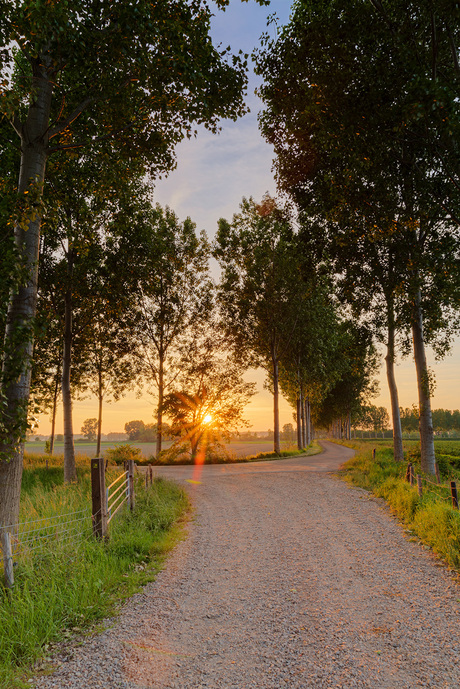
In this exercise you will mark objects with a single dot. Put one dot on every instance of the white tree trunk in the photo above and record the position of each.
(22, 306)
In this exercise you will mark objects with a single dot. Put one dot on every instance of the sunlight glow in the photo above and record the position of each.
(207, 418)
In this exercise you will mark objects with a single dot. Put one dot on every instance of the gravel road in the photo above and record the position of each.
(289, 578)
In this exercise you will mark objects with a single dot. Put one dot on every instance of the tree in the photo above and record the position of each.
(354, 384)
(260, 286)
(358, 146)
(409, 419)
(121, 71)
(134, 429)
(308, 367)
(207, 406)
(89, 430)
(173, 298)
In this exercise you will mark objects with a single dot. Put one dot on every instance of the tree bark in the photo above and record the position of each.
(307, 422)
(18, 341)
(100, 395)
(299, 424)
(70, 471)
(276, 413)
(304, 424)
(425, 421)
(160, 402)
(53, 416)
(396, 418)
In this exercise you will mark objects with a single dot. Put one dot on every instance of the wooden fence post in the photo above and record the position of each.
(453, 492)
(373, 454)
(99, 498)
(131, 499)
(409, 472)
(438, 476)
(7, 559)
(419, 485)
(151, 475)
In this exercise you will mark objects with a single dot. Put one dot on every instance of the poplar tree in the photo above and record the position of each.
(362, 110)
(137, 76)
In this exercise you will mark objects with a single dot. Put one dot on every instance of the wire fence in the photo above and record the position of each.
(71, 528)
(446, 492)
(40, 534)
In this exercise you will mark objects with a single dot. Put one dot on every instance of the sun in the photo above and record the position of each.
(207, 418)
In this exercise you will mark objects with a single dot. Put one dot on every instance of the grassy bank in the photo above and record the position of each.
(65, 586)
(430, 517)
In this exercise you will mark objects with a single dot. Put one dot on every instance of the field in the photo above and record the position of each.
(240, 448)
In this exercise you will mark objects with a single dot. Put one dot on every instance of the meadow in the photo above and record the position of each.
(66, 585)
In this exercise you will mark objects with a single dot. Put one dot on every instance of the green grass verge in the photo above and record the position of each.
(65, 589)
(313, 449)
(431, 516)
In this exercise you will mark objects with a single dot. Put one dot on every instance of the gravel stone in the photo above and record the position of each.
(289, 578)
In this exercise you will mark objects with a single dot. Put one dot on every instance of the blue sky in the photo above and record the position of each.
(214, 172)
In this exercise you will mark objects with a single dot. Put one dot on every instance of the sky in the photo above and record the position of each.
(213, 174)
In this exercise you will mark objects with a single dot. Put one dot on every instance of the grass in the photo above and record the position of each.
(313, 449)
(66, 588)
(430, 517)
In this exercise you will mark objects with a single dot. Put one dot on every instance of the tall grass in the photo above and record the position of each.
(66, 587)
(431, 516)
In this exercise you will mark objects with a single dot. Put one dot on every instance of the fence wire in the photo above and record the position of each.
(43, 534)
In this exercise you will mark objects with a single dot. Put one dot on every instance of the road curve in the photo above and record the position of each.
(288, 579)
(330, 459)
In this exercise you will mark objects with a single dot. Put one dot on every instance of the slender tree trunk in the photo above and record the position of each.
(395, 415)
(100, 395)
(425, 421)
(70, 470)
(53, 416)
(160, 403)
(307, 422)
(299, 423)
(18, 343)
(276, 413)
(302, 417)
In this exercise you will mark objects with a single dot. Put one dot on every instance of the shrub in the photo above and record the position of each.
(123, 453)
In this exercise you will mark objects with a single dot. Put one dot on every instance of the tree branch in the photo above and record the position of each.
(72, 117)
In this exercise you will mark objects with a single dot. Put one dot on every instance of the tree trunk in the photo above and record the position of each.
(160, 403)
(276, 414)
(100, 395)
(18, 343)
(423, 383)
(299, 423)
(70, 471)
(53, 416)
(395, 415)
(302, 419)
(307, 422)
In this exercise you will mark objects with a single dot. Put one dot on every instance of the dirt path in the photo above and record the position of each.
(289, 579)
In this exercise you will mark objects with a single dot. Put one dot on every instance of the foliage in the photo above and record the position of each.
(114, 80)
(365, 146)
(123, 453)
(209, 402)
(261, 288)
(354, 384)
(64, 590)
(89, 429)
(173, 297)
